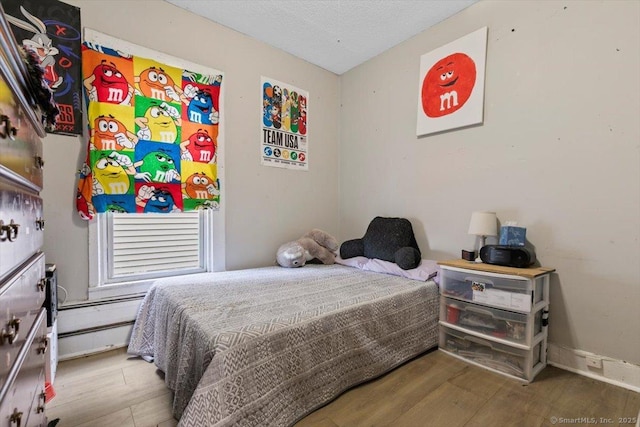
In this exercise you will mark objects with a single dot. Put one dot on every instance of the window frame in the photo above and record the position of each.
(102, 286)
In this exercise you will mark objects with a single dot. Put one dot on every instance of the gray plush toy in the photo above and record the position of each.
(316, 244)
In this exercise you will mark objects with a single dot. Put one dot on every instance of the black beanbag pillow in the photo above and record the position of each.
(388, 239)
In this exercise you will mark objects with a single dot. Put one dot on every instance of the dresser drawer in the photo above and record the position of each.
(21, 394)
(21, 152)
(21, 297)
(22, 227)
(519, 363)
(512, 293)
(491, 322)
(37, 415)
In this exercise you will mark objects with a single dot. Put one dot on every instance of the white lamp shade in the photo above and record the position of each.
(483, 224)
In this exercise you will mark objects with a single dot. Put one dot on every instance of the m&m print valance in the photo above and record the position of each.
(153, 135)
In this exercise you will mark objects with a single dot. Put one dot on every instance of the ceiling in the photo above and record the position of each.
(336, 35)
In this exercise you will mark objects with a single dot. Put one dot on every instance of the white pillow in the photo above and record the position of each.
(428, 269)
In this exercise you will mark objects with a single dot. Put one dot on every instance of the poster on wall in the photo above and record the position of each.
(153, 134)
(284, 142)
(451, 86)
(51, 30)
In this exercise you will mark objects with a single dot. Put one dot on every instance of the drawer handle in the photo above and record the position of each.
(3, 121)
(476, 340)
(482, 280)
(14, 328)
(477, 310)
(42, 284)
(45, 345)
(9, 131)
(8, 231)
(9, 336)
(41, 397)
(15, 324)
(14, 228)
(39, 162)
(16, 417)
(4, 229)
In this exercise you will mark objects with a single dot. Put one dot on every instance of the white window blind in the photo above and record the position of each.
(154, 245)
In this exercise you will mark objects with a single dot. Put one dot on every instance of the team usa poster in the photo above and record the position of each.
(451, 90)
(51, 30)
(284, 142)
(153, 135)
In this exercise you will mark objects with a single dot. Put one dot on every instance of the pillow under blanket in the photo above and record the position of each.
(427, 270)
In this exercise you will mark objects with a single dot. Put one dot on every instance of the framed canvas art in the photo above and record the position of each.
(451, 86)
(51, 30)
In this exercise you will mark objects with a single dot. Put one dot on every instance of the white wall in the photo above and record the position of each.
(559, 152)
(265, 206)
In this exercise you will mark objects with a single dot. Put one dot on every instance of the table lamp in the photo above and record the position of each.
(483, 224)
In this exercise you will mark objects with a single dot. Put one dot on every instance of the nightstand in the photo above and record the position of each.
(495, 317)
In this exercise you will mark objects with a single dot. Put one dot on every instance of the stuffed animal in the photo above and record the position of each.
(316, 244)
(388, 239)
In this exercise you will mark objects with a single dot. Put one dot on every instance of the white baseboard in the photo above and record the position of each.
(95, 314)
(73, 346)
(95, 326)
(616, 372)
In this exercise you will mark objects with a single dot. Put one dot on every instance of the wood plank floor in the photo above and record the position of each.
(113, 389)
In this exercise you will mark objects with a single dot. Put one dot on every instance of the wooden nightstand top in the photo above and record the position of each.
(480, 266)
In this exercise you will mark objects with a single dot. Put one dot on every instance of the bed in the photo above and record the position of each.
(267, 346)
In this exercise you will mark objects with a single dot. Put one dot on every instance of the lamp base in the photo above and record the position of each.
(482, 242)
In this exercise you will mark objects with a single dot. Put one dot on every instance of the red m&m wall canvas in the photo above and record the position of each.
(451, 85)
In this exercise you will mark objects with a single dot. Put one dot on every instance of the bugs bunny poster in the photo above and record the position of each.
(51, 29)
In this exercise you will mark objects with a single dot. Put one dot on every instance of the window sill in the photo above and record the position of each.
(119, 290)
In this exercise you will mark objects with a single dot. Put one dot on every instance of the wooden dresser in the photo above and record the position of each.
(23, 341)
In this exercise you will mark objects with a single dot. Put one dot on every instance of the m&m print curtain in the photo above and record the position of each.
(153, 136)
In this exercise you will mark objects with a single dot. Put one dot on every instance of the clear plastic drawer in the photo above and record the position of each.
(487, 354)
(492, 322)
(519, 294)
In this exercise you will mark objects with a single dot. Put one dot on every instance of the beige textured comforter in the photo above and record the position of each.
(264, 347)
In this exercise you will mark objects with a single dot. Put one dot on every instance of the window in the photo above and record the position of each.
(129, 251)
(154, 245)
